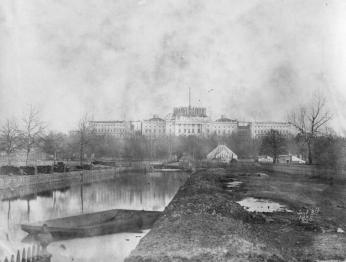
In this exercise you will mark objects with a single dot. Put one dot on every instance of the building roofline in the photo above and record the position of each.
(155, 119)
(111, 121)
(269, 122)
(225, 119)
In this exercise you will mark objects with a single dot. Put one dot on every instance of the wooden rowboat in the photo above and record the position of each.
(93, 224)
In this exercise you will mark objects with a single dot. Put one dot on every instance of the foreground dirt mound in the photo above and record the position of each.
(204, 222)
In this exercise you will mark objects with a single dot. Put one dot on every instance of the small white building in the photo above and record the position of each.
(264, 159)
(290, 159)
(223, 154)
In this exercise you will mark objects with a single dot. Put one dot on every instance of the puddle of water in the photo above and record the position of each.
(262, 205)
(340, 230)
(233, 184)
(262, 175)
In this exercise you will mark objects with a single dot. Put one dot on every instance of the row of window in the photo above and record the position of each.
(184, 125)
(270, 127)
(144, 126)
(154, 131)
(223, 127)
(107, 125)
(102, 130)
(263, 132)
(189, 131)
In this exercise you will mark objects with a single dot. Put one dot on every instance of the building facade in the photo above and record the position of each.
(222, 126)
(154, 127)
(187, 121)
(244, 130)
(190, 121)
(120, 129)
(136, 127)
(260, 129)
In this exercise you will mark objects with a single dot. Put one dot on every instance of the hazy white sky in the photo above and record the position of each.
(130, 59)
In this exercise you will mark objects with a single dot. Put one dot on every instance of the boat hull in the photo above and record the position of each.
(100, 223)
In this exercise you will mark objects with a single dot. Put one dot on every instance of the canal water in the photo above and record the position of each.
(148, 191)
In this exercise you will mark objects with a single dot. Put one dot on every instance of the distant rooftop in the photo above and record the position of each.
(225, 119)
(114, 121)
(156, 118)
(190, 111)
(269, 122)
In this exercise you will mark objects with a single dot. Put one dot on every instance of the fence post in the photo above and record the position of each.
(39, 252)
(18, 256)
(23, 255)
(33, 253)
(28, 255)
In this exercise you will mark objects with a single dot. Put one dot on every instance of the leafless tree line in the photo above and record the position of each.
(309, 120)
(29, 133)
(23, 135)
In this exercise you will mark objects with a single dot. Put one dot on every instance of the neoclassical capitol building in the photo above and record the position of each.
(186, 121)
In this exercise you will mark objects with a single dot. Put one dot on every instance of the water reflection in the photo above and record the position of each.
(150, 191)
(115, 247)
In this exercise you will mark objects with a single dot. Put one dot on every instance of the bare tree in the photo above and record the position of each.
(32, 131)
(84, 133)
(53, 143)
(9, 138)
(273, 143)
(309, 121)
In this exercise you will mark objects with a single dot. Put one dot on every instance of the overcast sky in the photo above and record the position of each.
(129, 59)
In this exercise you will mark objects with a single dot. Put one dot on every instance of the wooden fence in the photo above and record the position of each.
(11, 182)
(33, 253)
(307, 170)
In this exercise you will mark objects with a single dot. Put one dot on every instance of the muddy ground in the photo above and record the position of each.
(204, 222)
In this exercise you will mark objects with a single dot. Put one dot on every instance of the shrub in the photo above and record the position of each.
(10, 170)
(307, 216)
(28, 170)
(60, 167)
(44, 169)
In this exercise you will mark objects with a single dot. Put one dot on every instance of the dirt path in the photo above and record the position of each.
(204, 222)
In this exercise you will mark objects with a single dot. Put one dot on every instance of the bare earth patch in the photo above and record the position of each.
(204, 222)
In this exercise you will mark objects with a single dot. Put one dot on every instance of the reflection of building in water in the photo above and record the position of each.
(128, 191)
(145, 192)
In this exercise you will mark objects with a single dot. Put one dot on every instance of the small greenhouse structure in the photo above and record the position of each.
(223, 154)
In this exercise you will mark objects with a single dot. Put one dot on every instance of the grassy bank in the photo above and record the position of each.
(308, 170)
(205, 223)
